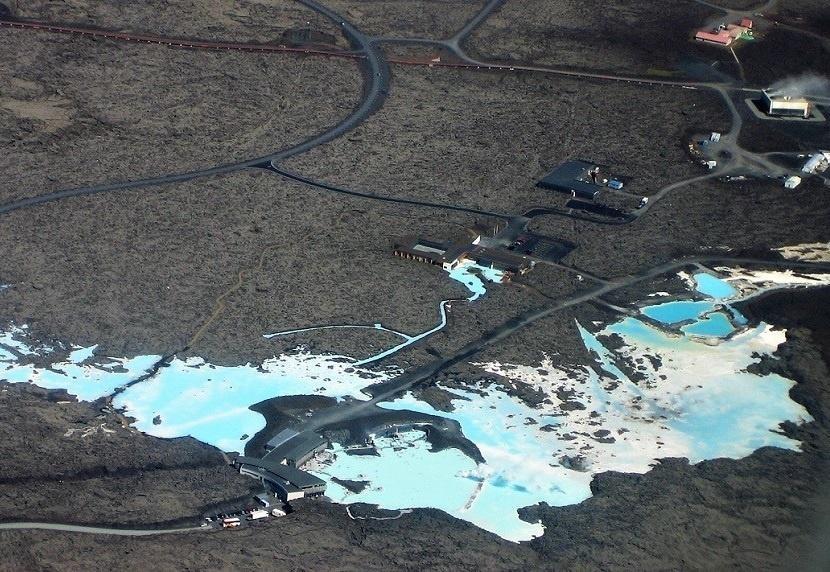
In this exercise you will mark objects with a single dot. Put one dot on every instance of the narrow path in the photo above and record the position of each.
(377, 327)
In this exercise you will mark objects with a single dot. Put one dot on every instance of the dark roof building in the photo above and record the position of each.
(503, 260)
(290, 482)
(444, 254)
(580, 179)
(300, 448)
(280, 438)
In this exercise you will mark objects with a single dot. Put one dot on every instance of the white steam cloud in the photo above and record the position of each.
(808, 84)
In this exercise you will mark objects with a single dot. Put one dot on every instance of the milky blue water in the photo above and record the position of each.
(716, 324)
(677, 311)
(706, 322)
(708, 383)
(695, 400)
(88, 382)
(471, 276)
(211, 403)
(713, 286)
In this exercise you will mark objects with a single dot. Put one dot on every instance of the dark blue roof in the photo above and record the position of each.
(568, 177)
(292, 475)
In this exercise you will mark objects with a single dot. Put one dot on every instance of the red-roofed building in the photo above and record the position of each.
(721, 37)
(746, 23)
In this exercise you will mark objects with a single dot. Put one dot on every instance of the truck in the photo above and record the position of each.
(231, 522)
(277, 512)
(257, 514)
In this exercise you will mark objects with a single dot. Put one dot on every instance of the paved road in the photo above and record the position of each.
(376, 86)
(375, 90)
(394, 387)
(476, 21)
(95, 529)
(402, 201)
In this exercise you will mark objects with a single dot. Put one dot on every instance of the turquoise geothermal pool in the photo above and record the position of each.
(689, 399)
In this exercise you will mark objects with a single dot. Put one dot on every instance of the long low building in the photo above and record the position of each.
(298, 449)
(450, 255)
(444, 254)
(289, 483)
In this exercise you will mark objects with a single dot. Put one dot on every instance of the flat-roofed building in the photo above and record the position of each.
(578, 178)
(506, 261)
(721, 37)
(785, 105)
(448, 255)
(289, 483)
(300, 449)
(724, 35)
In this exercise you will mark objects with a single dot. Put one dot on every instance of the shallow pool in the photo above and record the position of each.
(713, 286)
(689, 399)
(677, 311)
(716, 325)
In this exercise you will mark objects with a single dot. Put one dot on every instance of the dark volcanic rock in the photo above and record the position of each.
(356, 487)
(721, 513)
(67, 462)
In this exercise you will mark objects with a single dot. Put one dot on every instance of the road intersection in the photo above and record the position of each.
(375, 66)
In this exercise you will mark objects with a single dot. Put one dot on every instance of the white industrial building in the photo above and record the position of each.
(792, 182)
(785, 105)
(817, 163)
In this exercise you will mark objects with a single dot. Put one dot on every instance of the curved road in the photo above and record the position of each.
(375, 90)
(376, 71)
(94, 529)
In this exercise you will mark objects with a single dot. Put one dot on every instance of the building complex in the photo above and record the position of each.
(726, 34)
(451, 254)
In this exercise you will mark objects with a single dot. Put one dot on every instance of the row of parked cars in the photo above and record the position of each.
(235, 521)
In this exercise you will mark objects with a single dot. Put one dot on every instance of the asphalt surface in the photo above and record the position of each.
(382, 198)
(376, 85)
(385, 391)
(95, 529)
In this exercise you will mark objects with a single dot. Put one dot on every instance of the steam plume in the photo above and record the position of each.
(808, 84)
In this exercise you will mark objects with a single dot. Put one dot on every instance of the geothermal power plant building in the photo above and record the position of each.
(784, 105)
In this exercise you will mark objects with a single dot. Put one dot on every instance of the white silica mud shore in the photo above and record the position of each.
(812, 251)
(692, 397)
(673, 383)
